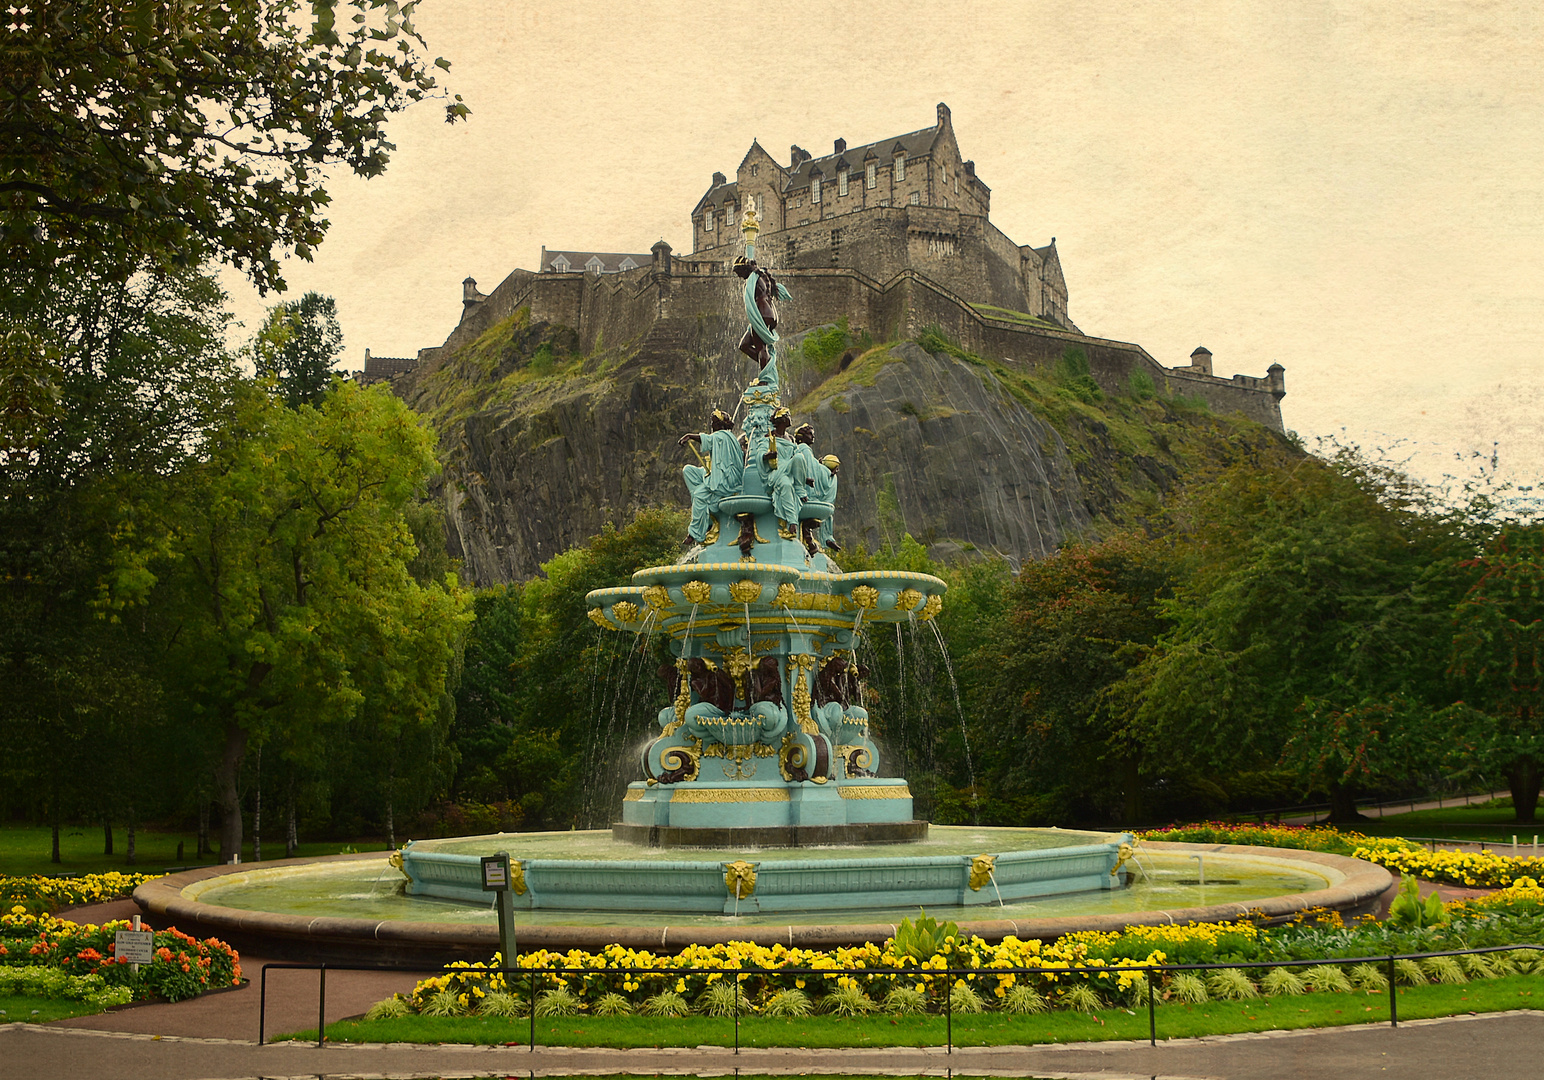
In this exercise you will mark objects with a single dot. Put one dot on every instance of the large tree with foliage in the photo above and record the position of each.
(1077, 623)
(288, 565)
(1317, 588)
(1498, 656)
(185, 132)
(297, 347)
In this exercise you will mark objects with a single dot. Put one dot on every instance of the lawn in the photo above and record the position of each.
(986, 1029)
(25, 849)
(39, 1010)
(1491, 822)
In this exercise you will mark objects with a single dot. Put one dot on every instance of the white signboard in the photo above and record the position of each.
(135, 946)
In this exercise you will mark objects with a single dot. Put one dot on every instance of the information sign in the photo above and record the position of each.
(135, 946)
(495, 871)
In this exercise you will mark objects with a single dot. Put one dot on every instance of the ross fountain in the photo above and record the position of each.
(767, 743)
(761, 813)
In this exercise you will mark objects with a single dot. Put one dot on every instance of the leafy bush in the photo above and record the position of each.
(38, 894)
(613, 1004)
(666, 1003)
(1139, 384)
(788, 1004)
(559, 1001)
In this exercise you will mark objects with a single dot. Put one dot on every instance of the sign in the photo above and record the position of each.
(495, 872)
(135, 946)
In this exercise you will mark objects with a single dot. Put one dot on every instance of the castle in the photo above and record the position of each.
(893, 236)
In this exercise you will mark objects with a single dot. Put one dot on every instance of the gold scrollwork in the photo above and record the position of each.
(683, 694)
(624, 611)
(787, 595)
(685, 760)
(793, 756)
(865, 596)
(745, 592)
(981, 871)
(740, 878)
(934, 605)
(802, 663)
(1123, 855)
(697, 592)
(855, 759)
(516, 877)
(657, 597)
(712, 537)
(738, 662)
(907, 599)
(598, 617)
(396, 860)
(787, 531)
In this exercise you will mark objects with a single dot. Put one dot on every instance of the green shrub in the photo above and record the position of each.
(788, 1004)
(1082, 998)
(823, 346)
(1443, 969)
(1020, 1000)
(612, 1003)
(1327, 978)
(1188, 988)
(1368, 977)
(1139, 384)
(502, 1003)
(1231, 984)
(906, 1001)
(666, 1003)
(720, 999)
(1409, 973)
(1282, 981)
(964, 999)
(1072, 374)
(847, 1001)
(445, 1003)
(558, 1002)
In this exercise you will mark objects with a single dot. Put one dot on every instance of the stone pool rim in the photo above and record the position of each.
(399, 943)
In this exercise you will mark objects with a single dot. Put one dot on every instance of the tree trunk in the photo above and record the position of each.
(1132, 779)
(129, 853)
(107, 835)
(203, 826)
(257, 811)
(228, 791)
(1343, 804)
(1523, 777)
(54, 814)
(291, 840)
(391, 824)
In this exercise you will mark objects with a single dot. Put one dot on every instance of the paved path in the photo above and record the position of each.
(1496, 1047)
(214, 1036)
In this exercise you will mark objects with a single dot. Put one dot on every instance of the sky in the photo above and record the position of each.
(1353, 190)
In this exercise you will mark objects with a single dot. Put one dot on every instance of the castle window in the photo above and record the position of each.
(595, 265)
(707, 221)
(561, 265)
(900, 168)
(841, 183)
(628, 264)
(815, 191)
(754, 169)
(916, 198)
(870, 175)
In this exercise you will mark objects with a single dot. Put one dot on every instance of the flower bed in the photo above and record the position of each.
(779, 981)
(183, 967)
(46, 982)
(1323, 838)
(1482, 869)
(37, 894)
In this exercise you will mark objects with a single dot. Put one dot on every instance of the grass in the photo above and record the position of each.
(1481, 822)
(25, 850)
(21, 1009)
(984, 1029)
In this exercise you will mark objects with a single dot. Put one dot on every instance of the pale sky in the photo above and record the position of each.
(1354, 190)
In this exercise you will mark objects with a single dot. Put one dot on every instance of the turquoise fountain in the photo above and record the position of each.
(767, 743)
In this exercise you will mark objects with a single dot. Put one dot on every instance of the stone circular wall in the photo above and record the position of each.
(402, 943)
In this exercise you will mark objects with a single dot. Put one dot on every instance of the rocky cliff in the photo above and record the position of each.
(543, 446)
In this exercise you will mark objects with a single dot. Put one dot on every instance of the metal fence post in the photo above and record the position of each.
(737, 1012)
(321, 1008)
(533, 1010)
(949, 1010)
(262, 1005)
(1393, 998)
(1152, 1016)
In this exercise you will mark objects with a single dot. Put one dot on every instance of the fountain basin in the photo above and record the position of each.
(737, 882)
(344, 908)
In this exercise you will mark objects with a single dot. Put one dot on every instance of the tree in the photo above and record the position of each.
(1498, 654)
(297, 346)
(288, 564)
(1078, 622)
(184, 132)
(1318, 582)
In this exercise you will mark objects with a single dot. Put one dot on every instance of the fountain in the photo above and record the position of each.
(767, 743)
(761, 813)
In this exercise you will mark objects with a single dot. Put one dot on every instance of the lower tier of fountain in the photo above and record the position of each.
(949, 871)
(355, 908)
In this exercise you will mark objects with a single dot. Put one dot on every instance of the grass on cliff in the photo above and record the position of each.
(1174, 1021)
(508, 361)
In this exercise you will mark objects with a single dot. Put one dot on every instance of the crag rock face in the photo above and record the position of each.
(939, 449)
(542, 448)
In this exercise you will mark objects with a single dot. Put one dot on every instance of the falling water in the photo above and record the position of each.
(975, 809)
